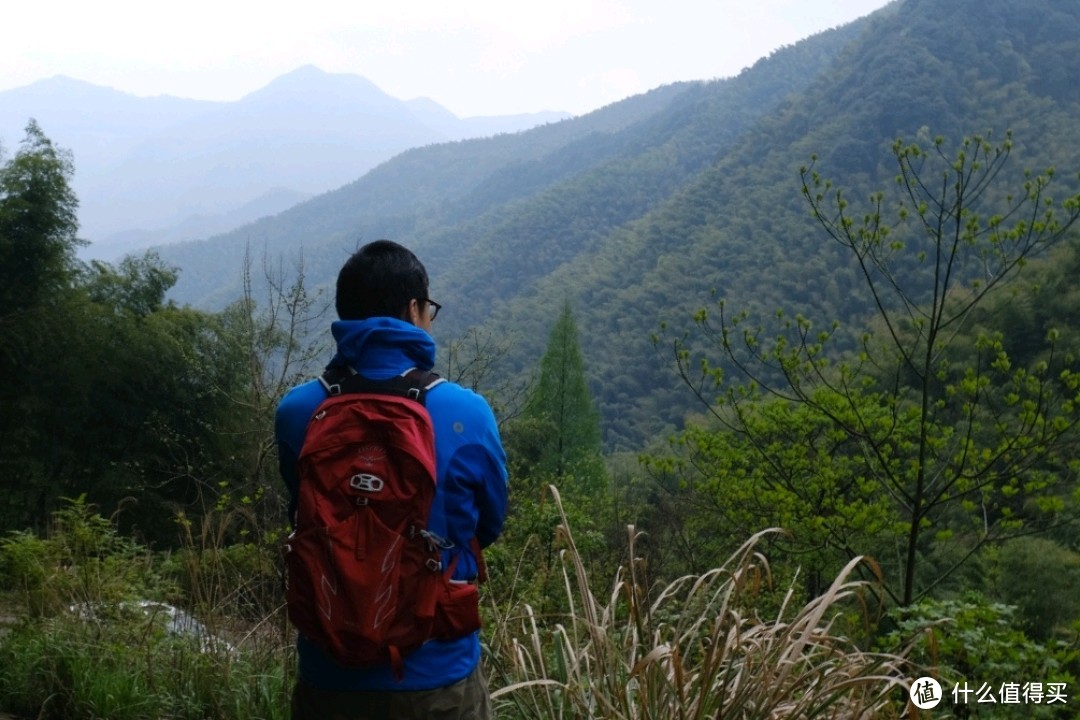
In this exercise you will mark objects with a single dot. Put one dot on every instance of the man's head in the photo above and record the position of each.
(384, 279)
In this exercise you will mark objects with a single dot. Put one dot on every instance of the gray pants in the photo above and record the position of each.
(467, 699)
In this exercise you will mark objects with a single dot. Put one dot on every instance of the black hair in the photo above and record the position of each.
(379, 280)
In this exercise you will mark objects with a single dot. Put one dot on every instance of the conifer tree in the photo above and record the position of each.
(561, 404)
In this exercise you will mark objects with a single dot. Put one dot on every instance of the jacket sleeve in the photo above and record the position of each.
(493, 492)
(486, 466)
(290, 426)
(287, 466)
(475, 474)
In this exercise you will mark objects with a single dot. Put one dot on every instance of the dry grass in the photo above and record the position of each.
(693, 649)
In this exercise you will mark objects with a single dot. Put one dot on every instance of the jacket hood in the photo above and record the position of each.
(382, 347)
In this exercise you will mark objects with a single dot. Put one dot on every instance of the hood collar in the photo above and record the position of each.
(382, 347)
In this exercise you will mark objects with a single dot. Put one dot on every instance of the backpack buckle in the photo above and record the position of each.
(366, 483)
(436, 541)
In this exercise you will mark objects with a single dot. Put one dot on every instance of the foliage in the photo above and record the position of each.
(789, 467)
(695, 648)
(223, 567)
(136, 287)
(84, 559)
(37, 227)
(555, 439)
(133, 399)
(84, 647)
(524, 565)
(974, 644)
(129, 668)
(1039, 577)
(127, 407)
(119, 386)
(37, 244)
(698, 644)
(565, 427)
(927, 432)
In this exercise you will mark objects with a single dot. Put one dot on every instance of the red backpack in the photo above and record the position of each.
(364, 576)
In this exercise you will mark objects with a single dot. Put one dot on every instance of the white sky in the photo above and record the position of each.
(474, 57)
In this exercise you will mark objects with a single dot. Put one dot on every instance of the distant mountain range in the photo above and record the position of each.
(162, 169)
(646, 210)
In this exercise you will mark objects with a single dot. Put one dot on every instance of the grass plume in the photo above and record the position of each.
(695, 648)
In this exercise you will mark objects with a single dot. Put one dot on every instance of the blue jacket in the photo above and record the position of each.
(470, 497)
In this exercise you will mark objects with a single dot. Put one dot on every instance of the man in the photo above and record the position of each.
(383, 331)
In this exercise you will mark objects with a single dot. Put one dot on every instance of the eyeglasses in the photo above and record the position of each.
(433, 308)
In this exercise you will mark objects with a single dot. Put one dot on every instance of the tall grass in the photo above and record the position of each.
(129, 670)
(693, 649)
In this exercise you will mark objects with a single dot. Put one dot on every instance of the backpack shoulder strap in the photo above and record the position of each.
(423, 378)
(413, 383)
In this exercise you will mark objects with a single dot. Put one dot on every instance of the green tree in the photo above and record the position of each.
(111, 391)
(1039, 577)
(37, 226)
(37, 268)
(971, 637)
(565, 423)
(960, 445)
(124, 402)
(554, 441)
(137, 286)
(788, 466)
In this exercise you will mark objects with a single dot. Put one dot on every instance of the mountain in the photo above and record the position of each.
(98, 123)
(153, 168)
(439, 118)
(271, 202)
(637, 213)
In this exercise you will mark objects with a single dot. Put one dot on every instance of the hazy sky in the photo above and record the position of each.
(475, 57)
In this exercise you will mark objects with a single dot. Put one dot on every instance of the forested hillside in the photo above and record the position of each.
(824, 305)
(637, 212)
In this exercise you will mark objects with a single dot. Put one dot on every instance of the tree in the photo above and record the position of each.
(472, 360)
(37, 225)
(37, 268)
(137, 286)
(119, 400)
(277, 343)
(555, 440)
(111, 391)
(788, 466)
(560, 406)
(960, 445)
(37, 245)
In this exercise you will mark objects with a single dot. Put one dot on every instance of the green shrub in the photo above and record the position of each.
(91, 644)
(82, 560)
(972, 643)
(127, 667)
(241, 579)
(1042, 579)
